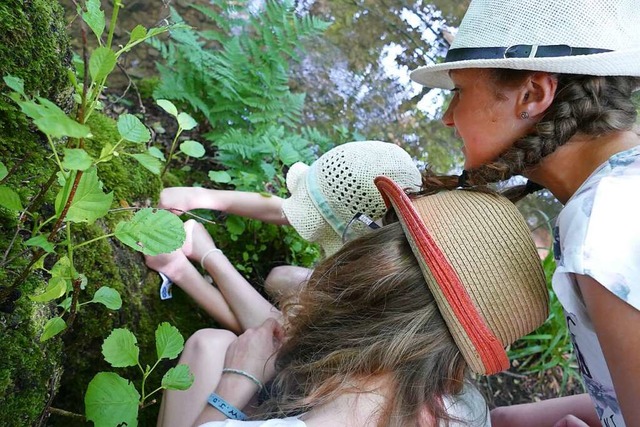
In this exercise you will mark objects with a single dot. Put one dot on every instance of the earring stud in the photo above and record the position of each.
(524, 115)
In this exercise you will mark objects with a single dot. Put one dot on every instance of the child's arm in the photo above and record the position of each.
(616, 324)
(248, 306)
(546, 413)
(249, 205)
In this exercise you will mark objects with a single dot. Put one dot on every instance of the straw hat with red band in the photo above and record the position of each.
(481, 265)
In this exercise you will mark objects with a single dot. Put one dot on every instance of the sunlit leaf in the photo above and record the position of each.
(192, 148)
(15, 83)
(76, 159)
(101, 63)
(155, 152)
(149, 162)
(138, 33)
(89, 202)
(169, 342)
(50, 119)
(152, 231)
(94, 17)
(178, 378)
(9, 199)
(120, 348)
(132, 129)
(222, 177)
(168, 106)
(55, 289)
(52, 328)
(109, 297)
(111, 401)
(186, 122)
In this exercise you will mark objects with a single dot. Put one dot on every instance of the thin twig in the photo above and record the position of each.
(64, 413)
(73, 310)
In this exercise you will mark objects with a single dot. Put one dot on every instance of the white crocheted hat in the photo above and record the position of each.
(591, 37)
(326, 195)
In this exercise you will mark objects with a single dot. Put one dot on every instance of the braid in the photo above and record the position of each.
(592, 105)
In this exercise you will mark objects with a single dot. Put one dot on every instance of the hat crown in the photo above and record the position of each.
(345, 176)
(603, 24)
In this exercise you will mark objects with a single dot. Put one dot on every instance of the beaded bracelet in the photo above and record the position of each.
(206, 254)
(227, 409)
(245, 374)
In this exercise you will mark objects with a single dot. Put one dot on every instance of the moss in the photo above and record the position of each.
(35, 47)
(147, 85)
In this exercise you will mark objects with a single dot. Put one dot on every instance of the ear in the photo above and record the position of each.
(537, 94)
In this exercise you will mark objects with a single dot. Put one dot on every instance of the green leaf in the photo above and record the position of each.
(138, 33)
(50, 119)
(169, 342)
(76, 159)
(178, 378)
(222, 177)
(41, 241)
(168, 106)
(52, 328)
(101, 63)
(111, 401)
(94, 17)
(149, 162)
(66, 303)
(104, 153)
(63, 269)
(55, 289)
(192, 148)
(288, 154)
(132, 129)
(152, 231)
(155, 152)
(235, 225)
(89, 202)
(9, 199)
(186, 122)
(15, 83)
(3, 171)
(109, 297)
(120, 348)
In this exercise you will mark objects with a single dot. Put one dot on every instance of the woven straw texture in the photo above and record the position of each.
(344, 177)
(485, 240)
(603, 24)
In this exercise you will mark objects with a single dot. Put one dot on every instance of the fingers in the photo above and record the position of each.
(570, 421)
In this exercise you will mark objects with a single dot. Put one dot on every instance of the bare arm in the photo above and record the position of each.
(616, 324)
(546, 413)
(246, 204)
(252, 352)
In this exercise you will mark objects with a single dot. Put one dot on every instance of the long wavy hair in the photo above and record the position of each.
(366, 312)
(587, 105)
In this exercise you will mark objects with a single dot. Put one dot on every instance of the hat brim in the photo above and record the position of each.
(482, 350)
(617, 63)
(304, 216)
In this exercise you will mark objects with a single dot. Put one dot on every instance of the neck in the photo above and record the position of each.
(361, 405)
(563, 171)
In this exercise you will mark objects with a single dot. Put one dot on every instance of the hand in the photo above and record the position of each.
(570, 421)
(180, 199)
(254, 351)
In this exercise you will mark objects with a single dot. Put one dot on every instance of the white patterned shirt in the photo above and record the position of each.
(598, 235)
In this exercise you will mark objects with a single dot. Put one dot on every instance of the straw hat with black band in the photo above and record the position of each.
(599, 38)
(481, 265)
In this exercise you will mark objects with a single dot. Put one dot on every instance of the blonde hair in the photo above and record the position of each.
(366, 312)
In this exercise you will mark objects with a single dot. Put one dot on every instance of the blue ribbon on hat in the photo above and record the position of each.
(321, 204)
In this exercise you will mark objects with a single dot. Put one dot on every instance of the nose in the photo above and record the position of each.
(447, 118)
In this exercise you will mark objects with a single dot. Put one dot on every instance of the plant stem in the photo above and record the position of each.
(112, 23)
(64, 413)
(173, 147)
(55, 153)
(154, 391)
(106, 236)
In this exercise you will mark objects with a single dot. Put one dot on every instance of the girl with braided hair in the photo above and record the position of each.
(543, 89)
